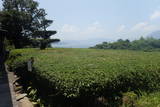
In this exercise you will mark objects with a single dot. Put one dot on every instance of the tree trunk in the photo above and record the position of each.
(17, 44)
(43, 44)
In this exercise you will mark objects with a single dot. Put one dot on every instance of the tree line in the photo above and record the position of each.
(146, 44)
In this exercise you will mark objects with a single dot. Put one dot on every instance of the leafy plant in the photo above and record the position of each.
(66, 75)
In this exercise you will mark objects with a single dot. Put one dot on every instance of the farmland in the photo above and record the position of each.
(87, 74)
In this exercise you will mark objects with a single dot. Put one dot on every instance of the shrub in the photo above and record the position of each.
(79, 76)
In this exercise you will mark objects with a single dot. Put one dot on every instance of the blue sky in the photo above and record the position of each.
(84, 23)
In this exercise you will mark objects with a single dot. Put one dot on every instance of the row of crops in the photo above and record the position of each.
(79, 77)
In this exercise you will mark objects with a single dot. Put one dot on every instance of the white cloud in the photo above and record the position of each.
(141, 29)
(144, 27)
(121, 28)
(155, 15)
(94, 28)
(69, 28)
(139, 26)
(73, 32)
(150, 28)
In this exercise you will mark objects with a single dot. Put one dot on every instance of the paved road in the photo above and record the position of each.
(5, 95)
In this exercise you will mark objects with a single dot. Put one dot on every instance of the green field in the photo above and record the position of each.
(87, 73)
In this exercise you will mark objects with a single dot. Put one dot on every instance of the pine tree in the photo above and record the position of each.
(42, 33)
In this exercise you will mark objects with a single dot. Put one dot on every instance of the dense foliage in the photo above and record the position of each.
(86, 74)
(146, 44)
(22, 18)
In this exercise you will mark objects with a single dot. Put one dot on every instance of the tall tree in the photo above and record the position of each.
(42, 33)
(18, 20)
(14, 23)
(23, 19)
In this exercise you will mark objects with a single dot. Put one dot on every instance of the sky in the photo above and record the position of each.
(84, 23)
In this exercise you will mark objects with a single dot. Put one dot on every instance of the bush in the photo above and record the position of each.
(78, 76)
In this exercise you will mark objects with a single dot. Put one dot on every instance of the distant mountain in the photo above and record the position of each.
(155, 34)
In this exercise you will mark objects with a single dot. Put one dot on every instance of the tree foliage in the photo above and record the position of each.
(14, 23)
(22, 18)
(42, 33)
(146, 44)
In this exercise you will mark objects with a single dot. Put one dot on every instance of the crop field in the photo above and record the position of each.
(89, 73)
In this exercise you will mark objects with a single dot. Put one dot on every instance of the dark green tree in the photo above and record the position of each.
(42, 34)
(14, 23)
(19, 19)
(22, 19)
(145, 44)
